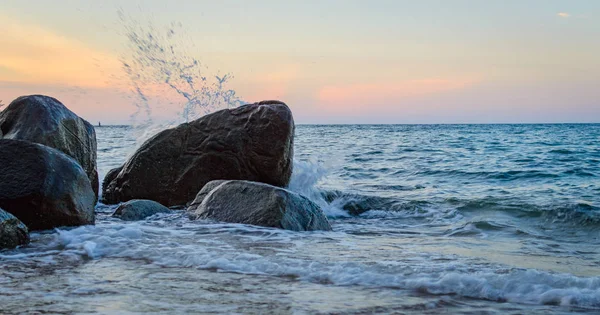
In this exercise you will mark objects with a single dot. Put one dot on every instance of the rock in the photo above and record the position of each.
(12, 231)
(356, 204)
(43, 187)
(137, 209)
(110, 176)
(45, 120)
(252, 142)
(205, 191)
(259, 204)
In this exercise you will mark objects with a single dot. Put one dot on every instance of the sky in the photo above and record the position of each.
(346, 61)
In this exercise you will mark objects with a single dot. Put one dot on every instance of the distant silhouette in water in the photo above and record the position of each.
(99, 124)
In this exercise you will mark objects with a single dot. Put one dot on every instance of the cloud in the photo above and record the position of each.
(563, 15)
(362, 96)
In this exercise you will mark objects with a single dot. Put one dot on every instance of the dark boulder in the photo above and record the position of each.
(252, 142)
(137, 209)
(259, 204)
(12, 231)
(45, 120)
(112, 174)
(43, 187)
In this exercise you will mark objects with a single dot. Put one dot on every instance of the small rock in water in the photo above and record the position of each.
(43, 187)
(259, 204)
(45, 120)
(251, 142)
(12, 231)
(139, 209)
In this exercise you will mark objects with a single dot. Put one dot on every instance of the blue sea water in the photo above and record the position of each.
(427, 219)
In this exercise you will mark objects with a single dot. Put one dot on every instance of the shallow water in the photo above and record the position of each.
(446, 218)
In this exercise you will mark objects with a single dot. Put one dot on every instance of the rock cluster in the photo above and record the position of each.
(230, 166)
(48, 174)
(252, 142)
(45, 120)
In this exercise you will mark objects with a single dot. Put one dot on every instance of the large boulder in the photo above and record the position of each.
(134, 210)
(252, 142)
(12, 231)
(45, 120)
(43, 187)
(259, 204)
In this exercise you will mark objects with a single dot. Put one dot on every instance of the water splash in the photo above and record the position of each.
(164, 76)
(305, 178)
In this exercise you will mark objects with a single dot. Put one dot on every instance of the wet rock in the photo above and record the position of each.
(45, 120)
(205, 191)
(112, 174)
(135, 210)
(356, 204)
(13, 232)
(259, 204)
(43, 187)
(252, 142)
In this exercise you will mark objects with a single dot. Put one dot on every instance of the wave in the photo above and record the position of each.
(562, 151)
(357, 204)
(580, 214)
(138, 241)
(504, 176)
(480, 228)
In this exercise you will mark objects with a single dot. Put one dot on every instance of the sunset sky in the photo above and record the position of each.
(445, 61)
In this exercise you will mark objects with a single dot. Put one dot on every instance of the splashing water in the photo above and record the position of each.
(305, 179)
(161, 70)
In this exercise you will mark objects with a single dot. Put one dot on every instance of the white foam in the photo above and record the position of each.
(305, 178)
(237, 249)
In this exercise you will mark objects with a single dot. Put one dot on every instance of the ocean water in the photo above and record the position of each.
(427, 219)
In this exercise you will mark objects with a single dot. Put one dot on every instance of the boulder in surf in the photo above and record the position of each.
(43, 187)
(13, 232)
(134, 210)
(246, 202)
(204, 192)
(45, 120)
(252, 142)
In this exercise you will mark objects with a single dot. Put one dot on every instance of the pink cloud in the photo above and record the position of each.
(365, 96)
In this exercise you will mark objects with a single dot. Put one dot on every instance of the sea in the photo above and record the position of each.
(427, 219)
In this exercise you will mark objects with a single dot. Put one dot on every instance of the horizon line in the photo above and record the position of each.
(412, 124)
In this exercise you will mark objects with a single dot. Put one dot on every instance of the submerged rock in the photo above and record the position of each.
(45, 120)
(43, 187)
(252, 142)
(137, 209)
(259, 204)
(12, 231)
(356, 204)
